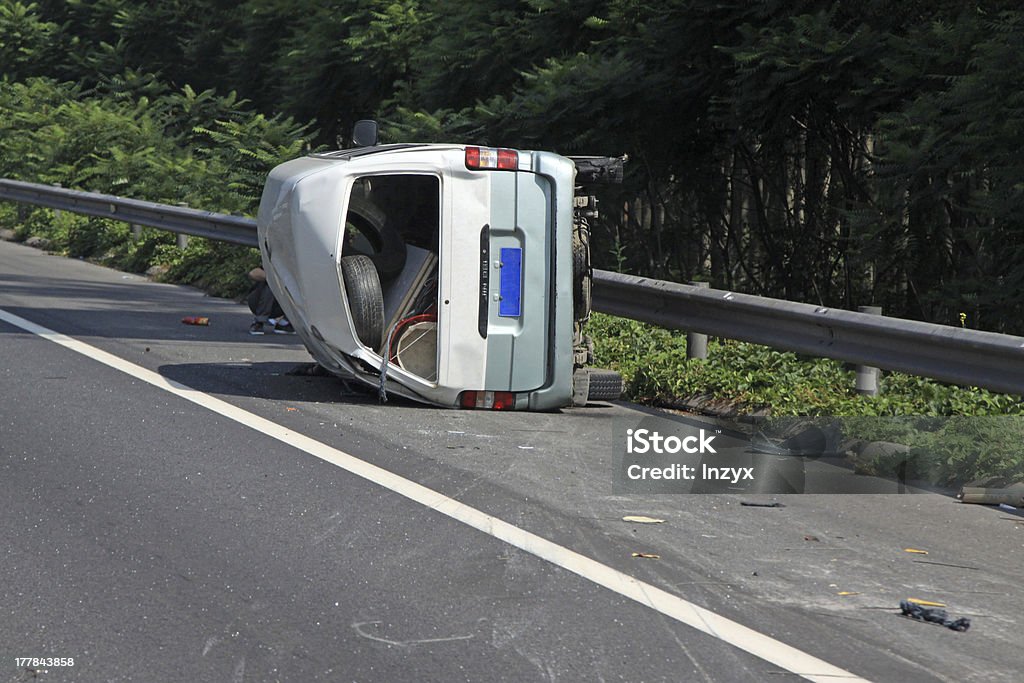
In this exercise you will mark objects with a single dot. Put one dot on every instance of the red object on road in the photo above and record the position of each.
(195, 320)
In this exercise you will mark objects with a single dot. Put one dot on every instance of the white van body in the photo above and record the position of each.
(476, 281)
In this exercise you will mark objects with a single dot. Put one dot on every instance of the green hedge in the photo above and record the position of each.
(142, 140)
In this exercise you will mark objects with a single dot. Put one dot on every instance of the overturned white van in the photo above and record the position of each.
(449, 274)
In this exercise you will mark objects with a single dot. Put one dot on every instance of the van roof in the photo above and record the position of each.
(347, 154)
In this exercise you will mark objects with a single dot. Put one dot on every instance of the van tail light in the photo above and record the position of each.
(488, 400)
(483, 158)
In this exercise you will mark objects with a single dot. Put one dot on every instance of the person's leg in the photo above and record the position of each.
(262, 304)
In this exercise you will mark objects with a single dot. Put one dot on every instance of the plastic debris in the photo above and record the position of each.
(195, 320)
(847, 593)
(933, 615)
(640, 519)
(649, 556)
(915, 551)
(926, 603)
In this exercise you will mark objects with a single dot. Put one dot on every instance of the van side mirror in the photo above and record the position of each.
(364, 133)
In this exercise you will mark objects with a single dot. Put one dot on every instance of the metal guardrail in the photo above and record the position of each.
(951, 354)
(179, 219)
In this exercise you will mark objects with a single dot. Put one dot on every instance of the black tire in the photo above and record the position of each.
(365, 298)
(605, 385)
(388, 248)
(581, 273)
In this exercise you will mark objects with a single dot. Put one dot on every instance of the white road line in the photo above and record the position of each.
(706, 621)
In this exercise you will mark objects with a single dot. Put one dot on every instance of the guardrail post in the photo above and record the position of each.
(57, 213)
(867, 376)
(696, 343)
(182, 238)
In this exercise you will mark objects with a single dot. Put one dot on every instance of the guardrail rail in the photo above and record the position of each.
(178, 219)
(951, 354)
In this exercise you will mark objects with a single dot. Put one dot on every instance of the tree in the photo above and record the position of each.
(24, 40)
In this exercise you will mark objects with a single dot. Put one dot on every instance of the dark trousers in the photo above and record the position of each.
(262, 302)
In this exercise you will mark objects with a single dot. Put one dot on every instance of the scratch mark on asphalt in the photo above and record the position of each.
(358, 628)
(331, 527)
(210, 643)
(686, 652)
(239, 674)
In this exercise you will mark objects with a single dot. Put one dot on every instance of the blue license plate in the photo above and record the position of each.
(510, 287)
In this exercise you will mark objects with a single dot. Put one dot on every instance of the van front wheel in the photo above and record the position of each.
(365, 298)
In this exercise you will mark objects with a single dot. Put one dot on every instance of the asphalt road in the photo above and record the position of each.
(153, 539)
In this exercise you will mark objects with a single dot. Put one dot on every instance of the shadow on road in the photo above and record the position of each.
(274, 381)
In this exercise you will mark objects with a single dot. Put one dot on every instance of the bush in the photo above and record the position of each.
(142, 141)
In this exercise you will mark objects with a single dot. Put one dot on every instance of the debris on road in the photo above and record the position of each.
(37, 242)
(844, 593)
(933, 615)
(640, 519)
(926, 603)
(195, 320)
(755, 504)
(649, 556)
(1011, 495)
(915, 551)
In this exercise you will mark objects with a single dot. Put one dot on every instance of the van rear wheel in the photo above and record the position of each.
(605, 385)
(590, 384)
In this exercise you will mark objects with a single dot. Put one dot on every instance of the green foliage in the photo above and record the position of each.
(948, 156)
(330, 63)
(199, 149)
(213, 266)
(24, 40)
(244, 151)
